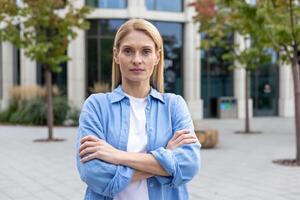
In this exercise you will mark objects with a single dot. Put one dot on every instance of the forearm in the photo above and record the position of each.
(143, 162)
(140, 175)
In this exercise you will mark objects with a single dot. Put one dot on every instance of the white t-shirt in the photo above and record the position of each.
(137, 142)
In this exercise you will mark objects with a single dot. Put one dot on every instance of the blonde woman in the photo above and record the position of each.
(136, 142)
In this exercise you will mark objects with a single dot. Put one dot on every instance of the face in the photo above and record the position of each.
(136, 57)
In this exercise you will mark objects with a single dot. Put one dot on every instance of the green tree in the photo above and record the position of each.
(217, 24)
(43, 29)
(274, 24)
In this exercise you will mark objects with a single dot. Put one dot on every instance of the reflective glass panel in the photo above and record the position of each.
(264, 88)
(107, 3)
(165, 5)
(99, 54)
(1, 71)
(172, 34)
(216, 78)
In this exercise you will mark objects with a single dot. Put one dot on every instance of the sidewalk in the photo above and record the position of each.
(240, 168)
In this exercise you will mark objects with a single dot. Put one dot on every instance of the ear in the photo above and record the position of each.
(157, 56)
(115, 55)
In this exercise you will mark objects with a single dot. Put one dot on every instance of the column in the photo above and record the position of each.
(191, 67)
(76, 67)
(7, 72)
(76, 73)
(136, 8)
(27, 69)
(239, 81)
(286, 91)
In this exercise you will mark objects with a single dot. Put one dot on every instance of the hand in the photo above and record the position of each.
(181, 137)
(94, 148)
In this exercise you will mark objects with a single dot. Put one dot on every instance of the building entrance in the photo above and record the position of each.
(264, 90)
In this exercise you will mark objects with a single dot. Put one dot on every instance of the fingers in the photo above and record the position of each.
(89, 144)
(187, 141)
(185, 136)
(89, 157)
(179, 133)
(89, 138)
(89, 150)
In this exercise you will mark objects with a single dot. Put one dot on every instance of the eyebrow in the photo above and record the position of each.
(146, 46)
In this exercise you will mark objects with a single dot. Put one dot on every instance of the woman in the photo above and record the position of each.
(137, 142)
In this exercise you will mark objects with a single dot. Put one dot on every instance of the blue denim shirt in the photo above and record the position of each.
(107, 117)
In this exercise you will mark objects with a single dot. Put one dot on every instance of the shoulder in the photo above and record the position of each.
(173, 99)
(95, 101)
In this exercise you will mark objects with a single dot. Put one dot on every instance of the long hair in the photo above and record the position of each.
(157, 77)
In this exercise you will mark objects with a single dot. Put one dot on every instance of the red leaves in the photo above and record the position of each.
(205, 8)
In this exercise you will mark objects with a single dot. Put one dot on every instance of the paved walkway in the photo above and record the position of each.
(240, 168)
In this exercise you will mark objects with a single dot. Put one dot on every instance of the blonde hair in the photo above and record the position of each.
(157, 77)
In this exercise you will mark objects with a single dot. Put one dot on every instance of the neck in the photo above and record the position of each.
(136, 90)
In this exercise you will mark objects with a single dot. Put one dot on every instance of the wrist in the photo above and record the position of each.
(121, 157)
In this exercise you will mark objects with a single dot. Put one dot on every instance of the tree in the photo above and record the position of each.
(276, 25)
(218, 20)
(43, 29)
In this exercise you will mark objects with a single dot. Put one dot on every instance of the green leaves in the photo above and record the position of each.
(272, 24)
(47, 27)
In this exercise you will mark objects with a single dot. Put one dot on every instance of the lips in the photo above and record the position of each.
(137, 70)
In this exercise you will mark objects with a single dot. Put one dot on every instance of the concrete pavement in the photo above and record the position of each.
(240, 168)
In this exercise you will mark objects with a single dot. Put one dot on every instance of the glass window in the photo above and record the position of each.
(165, 5)
(1, 73)
(100, 40)
(107, 3)
(216, 78)
(99, 53)
(58, 79)
(264, 88)
(16, 66)
(172, 34)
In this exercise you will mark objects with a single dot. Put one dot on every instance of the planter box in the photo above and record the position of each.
(208, 138)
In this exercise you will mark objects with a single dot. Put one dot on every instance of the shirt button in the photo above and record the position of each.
(151, 184)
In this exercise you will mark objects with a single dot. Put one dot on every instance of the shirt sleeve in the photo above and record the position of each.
(103, 178)
(182, 163)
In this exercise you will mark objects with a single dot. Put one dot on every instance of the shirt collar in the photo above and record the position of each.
(118, 94)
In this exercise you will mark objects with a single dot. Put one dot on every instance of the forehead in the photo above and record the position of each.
(137, 38)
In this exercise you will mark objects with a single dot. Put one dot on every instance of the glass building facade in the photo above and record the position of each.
(100, 38)
(91, 54)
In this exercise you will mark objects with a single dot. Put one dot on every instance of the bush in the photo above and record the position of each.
(34, 111)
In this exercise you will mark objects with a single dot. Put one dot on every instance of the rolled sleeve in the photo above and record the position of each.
(103, 178)
(182, 163)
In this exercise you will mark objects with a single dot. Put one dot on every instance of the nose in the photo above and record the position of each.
(137, 59)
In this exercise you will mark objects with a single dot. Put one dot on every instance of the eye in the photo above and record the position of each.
(127, 51)
(147, 52)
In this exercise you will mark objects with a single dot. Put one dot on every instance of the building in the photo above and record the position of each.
(201, 77)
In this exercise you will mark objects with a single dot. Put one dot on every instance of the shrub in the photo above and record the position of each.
(34, 111)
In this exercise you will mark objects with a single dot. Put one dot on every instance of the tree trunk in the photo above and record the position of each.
(296, 79)
(247, 95)
(48, 76)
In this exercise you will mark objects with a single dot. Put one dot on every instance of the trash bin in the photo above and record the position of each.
(227, 107)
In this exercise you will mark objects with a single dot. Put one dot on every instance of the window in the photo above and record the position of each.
(107, 3)
(1, 73)
(216, 77)
(100, 38)
(58, 79)
(165, 5)
(16, 66)
(172, 34)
